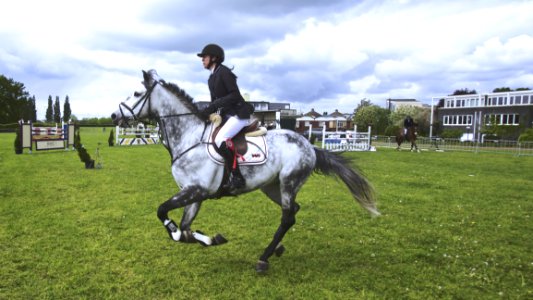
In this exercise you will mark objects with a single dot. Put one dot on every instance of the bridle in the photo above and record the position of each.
(146, 99)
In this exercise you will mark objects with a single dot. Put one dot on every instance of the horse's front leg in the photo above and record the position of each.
(189, 197)
(188, 236)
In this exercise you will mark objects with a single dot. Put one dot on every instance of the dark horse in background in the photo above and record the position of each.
(410, 136)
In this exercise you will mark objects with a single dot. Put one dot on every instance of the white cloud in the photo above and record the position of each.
(324, 55)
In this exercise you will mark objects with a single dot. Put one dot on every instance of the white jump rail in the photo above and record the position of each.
(347, 140)
(136, 136)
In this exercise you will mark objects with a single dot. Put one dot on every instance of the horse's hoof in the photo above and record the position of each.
(219, 240)
(279, 250)
(261, 267)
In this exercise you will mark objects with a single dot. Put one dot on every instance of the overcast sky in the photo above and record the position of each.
(322, 54)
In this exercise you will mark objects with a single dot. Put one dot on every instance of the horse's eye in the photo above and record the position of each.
(137, 94)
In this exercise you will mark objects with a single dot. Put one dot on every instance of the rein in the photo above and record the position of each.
(174, 159)
(147, 99)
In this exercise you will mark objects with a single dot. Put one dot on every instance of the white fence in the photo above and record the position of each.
(136, 136)
(346, 140)
(446, 144)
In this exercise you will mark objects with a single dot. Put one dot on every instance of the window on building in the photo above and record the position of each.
(525, 100)
(502, 119)
(518, 100)
(449, 103)
(457, 120)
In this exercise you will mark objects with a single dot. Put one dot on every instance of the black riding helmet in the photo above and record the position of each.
(213, 50)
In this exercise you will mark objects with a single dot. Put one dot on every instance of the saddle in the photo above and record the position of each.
(239, 140)
(250, 146)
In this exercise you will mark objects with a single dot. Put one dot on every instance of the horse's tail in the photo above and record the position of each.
(330, 163)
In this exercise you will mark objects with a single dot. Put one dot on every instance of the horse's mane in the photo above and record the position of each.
(185, 98)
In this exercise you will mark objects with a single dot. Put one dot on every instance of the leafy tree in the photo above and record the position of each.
(464, 91)
(523, 89)
(66, 110)
(502, 89)
(14, 101)
(57, 111)
(372, 115)
(421, 116)
(364, 102)
(49, 111)
(33, 109)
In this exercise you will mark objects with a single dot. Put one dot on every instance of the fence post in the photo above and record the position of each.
(369, 139)
(323, 135)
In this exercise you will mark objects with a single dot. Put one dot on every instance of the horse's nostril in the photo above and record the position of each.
(113, 116)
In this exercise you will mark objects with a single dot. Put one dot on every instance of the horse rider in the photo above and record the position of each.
(226, 97)
(407, 123)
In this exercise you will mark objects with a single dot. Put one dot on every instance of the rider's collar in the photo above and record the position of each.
(214, 68)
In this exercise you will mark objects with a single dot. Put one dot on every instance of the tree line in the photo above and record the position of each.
(17, 104)
(53, 112)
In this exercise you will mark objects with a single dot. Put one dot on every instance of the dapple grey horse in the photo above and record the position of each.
(185, 134)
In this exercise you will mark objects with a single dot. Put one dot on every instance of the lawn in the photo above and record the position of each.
(455, 225)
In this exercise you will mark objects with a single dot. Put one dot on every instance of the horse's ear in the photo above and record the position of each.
(148, 79)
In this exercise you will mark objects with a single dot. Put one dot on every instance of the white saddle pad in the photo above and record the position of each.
(256, 154)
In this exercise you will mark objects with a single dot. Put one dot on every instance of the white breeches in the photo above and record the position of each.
(232, 126)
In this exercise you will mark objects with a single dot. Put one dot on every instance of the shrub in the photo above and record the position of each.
(111, 139)
(392, 130)
(451, 133)
(526, 136)
(313, 139)
(18, 142)
(84, 156)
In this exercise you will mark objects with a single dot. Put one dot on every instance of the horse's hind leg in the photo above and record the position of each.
(283, 194)
(413, 145)
(273, 192)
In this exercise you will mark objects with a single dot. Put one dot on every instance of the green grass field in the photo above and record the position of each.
(455, 225)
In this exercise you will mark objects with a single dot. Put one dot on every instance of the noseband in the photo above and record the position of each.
(146, 98)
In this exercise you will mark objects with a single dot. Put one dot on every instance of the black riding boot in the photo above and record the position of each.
(235, 181)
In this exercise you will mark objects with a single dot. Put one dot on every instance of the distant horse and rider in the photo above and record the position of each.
(408, 133)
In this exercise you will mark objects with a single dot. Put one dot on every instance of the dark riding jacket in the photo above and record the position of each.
(225, 94)
(408, 122)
